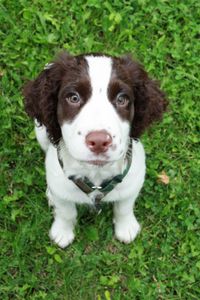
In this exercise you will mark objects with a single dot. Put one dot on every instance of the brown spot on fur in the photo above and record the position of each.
(67, 111)
(149, 101)
(115, 87)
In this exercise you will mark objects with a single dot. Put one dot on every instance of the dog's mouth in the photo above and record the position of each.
(98, 162)
(102, 160)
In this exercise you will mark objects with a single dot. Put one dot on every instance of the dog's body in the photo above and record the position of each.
(90, 111)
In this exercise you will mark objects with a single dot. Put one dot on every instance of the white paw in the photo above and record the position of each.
(127, 230)
(61, 233)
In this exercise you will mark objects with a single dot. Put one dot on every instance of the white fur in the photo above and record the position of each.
(63, 194)
(41, 135)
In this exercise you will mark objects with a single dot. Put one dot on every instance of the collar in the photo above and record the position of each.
(86, 186)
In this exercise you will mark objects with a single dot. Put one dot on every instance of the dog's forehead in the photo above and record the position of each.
(99, 70)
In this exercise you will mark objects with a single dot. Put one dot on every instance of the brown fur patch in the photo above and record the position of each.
(149, 101)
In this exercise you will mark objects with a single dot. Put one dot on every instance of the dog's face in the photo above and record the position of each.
(95, 110)
(94, 103)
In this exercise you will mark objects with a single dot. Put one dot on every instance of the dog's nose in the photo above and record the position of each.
(98, 141)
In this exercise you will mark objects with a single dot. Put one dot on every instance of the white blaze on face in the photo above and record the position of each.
(99, 107)
(97, 114)
(100, 70)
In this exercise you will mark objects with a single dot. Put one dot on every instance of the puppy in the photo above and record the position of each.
(89, 112)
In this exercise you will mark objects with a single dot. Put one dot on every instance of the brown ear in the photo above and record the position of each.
(41, 96)
(150, 102)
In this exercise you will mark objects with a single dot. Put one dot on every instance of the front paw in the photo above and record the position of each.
(61, 233)
(126, 230)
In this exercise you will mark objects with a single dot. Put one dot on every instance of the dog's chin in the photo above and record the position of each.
(100, 162)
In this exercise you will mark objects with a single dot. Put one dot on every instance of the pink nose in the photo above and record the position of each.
(98, 141)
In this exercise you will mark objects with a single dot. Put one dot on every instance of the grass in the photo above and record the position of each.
(164, 261)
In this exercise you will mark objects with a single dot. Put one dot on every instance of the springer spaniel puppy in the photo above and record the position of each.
(89, 112)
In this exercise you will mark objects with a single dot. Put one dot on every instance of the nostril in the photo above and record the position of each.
(92, 143)
(107, 143)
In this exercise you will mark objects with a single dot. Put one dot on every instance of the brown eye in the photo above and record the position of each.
(73, 98)
(122, 99)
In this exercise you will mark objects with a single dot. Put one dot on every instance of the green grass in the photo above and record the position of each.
(164, 261)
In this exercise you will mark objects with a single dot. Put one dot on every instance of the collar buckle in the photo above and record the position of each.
(96, 187)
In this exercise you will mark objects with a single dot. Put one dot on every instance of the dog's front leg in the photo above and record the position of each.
(126, 225)
(62, 229)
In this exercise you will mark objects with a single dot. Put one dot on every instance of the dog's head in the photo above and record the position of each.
(95, 103)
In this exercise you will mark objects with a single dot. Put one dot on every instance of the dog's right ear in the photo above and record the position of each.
(41, 95)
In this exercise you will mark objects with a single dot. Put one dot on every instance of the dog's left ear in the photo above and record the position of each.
(150, 102)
